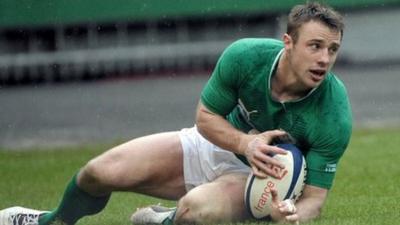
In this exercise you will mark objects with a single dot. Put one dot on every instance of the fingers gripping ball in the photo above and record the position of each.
(289, 185)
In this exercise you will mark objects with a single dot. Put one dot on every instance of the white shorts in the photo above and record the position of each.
(203, 161)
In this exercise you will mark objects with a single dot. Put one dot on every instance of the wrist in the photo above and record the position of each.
(244, 141)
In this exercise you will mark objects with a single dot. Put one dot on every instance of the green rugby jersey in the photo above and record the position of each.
(321, 122)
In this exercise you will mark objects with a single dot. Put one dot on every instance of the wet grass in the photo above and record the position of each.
(366, 189)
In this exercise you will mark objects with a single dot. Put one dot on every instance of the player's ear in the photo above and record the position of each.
(287, 41)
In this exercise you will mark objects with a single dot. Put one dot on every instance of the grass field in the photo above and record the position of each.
(366, 189)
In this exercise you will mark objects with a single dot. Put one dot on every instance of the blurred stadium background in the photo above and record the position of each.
(148, 60)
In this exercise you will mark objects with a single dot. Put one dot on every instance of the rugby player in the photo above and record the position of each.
(278, 88)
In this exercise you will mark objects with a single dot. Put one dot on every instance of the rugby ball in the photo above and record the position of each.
(289, 185)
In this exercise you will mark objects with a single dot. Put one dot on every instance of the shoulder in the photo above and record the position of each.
(250, 49)
(334, 120)
(254, 45)
(334, 97)
(335, 84)
(261, 42)
(248, 55)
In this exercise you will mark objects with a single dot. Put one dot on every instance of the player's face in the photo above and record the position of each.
(314, 53)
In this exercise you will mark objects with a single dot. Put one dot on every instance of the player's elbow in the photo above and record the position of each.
(202, 127)
(200, 122)
(311, 214)
(317, 212)
(202, 118)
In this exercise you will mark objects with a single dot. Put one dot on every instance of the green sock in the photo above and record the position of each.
(75, 204)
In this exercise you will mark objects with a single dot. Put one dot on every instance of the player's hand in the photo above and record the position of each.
(283, 211)
(259, 152)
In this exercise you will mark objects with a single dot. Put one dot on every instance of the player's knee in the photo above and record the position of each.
(91, 173)
(194, 209)
(98, 173)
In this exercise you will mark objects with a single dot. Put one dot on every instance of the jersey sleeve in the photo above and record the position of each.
(322, 162)
(332, 134)
(221, 91)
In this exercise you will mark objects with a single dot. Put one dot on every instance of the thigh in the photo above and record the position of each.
(220, 201)
(151, 165)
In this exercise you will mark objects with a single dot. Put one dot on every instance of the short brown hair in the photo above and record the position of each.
(313, 11)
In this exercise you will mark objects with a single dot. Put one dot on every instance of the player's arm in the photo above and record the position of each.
(330, 138)
(308, 207)
(255, 147)
(218, 98)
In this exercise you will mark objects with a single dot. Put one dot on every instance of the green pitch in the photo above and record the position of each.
(366, 189)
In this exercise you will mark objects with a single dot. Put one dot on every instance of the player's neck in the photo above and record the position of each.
(284, 84)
